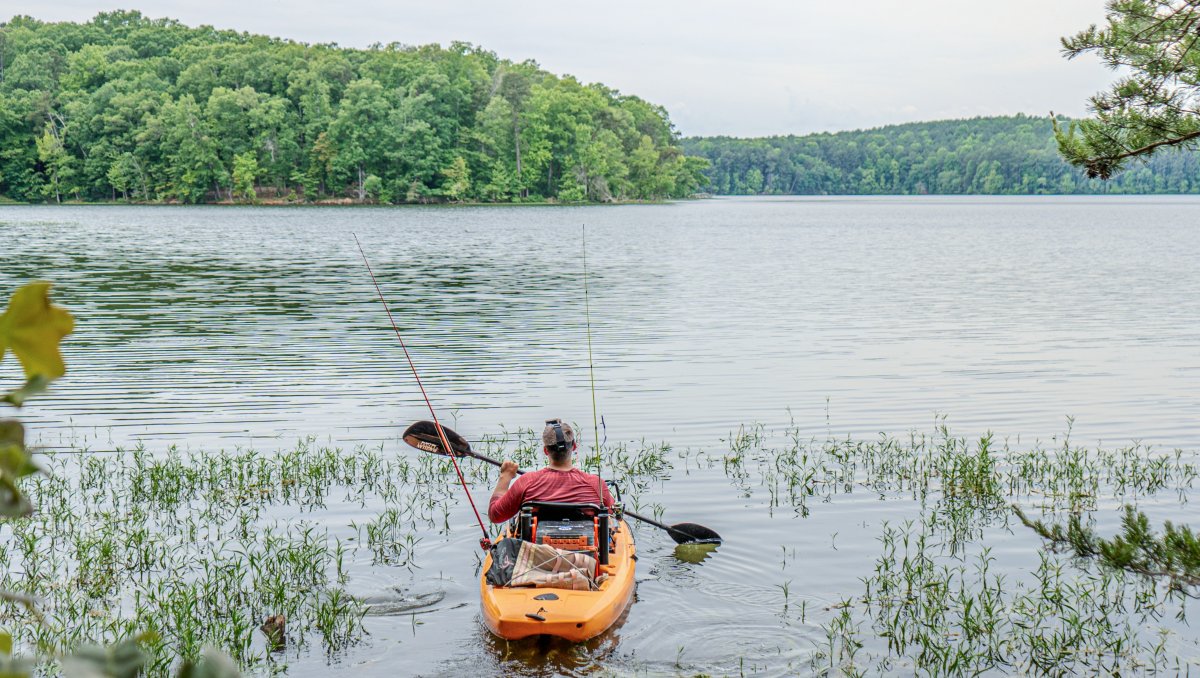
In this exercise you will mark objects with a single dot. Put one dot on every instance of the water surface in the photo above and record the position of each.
(209, 327)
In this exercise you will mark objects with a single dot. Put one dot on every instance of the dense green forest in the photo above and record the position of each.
(127, 107)
(124, 107)
(999, 155)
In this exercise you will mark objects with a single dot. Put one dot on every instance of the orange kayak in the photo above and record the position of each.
(514, 613)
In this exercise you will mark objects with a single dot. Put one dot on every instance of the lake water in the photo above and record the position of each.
(209, 327)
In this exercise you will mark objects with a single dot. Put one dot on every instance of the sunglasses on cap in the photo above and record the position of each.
(560, 438)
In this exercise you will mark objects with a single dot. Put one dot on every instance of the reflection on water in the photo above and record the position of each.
(219, 327)
(222, 325)
(535, 656)
(226, 325)
(694, 553)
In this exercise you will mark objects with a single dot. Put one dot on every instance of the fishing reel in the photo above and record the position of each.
(615, 487)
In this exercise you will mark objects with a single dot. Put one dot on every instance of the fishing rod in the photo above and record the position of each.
(682, 533)
(437, 439)
(587, 314)
(485, 542)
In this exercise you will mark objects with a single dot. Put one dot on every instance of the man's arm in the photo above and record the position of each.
(505, 504)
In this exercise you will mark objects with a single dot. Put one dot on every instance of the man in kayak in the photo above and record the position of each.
(560, 481)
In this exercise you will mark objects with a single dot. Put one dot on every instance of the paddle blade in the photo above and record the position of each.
(423, 435)
(691, 533)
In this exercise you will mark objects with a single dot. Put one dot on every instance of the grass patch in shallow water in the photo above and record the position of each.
(196, 546)
(200, 547)
(936, 602)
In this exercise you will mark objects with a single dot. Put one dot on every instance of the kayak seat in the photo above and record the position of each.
(566, 526)
(557, 510)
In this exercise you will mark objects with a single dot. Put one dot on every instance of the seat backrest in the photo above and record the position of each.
(553, 510)
(558, 515)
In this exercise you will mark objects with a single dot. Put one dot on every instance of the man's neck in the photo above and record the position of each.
(565, 466)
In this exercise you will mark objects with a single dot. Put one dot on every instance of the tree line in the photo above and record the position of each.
(132, 108)
(993, 155)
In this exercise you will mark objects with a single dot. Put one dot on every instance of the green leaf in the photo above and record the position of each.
(15, 463)
(212, 664)
(32, 387)
(121, 660)
(10, 667)
(12, 433)
(15, 668)
(33, 327)
(14, 458)
(13, 504)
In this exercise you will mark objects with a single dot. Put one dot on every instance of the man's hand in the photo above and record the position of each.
(508, 471)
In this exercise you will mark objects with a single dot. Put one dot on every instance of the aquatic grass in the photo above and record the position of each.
(390, 538)
(936, 604)
(975, 478)
(191, 543)
(339, 619)
(950, 616)
(785, 587)
(842, 645)
(183, 543)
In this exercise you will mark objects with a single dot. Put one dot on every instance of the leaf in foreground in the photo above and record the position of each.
(15, 463)
(10, 667)
(32, 328)
(212, 664)
(31, 388)
(122, 660)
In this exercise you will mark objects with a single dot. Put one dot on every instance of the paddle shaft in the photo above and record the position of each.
(631, 514)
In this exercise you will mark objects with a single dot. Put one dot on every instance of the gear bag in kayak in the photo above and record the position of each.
(517, 563)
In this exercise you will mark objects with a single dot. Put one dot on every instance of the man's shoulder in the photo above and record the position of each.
(584, 476)
(531, 476)
(557, 474)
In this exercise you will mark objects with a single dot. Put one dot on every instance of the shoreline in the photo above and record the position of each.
(334, 203)
(5, 202)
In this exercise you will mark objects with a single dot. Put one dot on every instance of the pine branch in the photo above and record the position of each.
(1102, 166)
(1174, 556)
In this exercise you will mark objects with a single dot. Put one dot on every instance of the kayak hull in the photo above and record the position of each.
(513, 613)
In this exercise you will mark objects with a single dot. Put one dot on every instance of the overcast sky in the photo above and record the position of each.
(737, 67)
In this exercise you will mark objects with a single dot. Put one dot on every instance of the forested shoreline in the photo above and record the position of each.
(129, 108)
(991, 155)
(125, 107)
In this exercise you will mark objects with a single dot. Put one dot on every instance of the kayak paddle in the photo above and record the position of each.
(424, 436)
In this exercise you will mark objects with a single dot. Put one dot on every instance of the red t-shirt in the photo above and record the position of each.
(547, 484)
